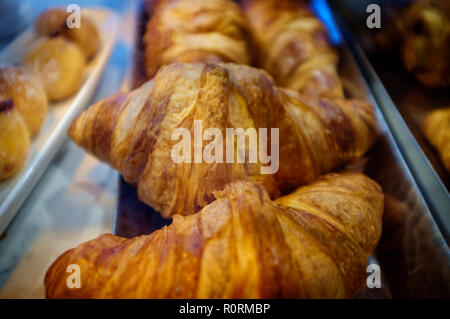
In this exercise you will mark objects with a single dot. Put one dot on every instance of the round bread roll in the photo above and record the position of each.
(14, 139)
(54, 22)
(28, 95)
(60, 64)
(51, 22)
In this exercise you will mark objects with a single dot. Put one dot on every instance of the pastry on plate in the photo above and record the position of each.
(60, 64)
(53, 22)
(27, 93)
(14, 139)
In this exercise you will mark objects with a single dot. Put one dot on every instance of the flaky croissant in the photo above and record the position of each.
(312, 243)
(195, 31)
(293, 47)
(133, 133)
(436, 128)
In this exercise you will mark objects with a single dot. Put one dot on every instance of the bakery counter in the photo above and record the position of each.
(346, 214)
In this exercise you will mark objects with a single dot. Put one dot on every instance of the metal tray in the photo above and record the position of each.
(44, 146)
(413, 256)
(404, 103)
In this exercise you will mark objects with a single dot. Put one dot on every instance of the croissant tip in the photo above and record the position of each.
(72, 128)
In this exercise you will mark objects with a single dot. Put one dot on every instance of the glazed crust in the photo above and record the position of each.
(132, 132)
(195, 31)
(293, 46)
(313, 243)
(437, 130)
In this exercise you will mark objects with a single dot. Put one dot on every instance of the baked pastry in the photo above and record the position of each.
(293, 46)
(14, 139)
(27, 94)
(59, 63)
(195, 31)
(426, 44)
(53, 22)
(436, 128)
(420, 33)
(313, 243)
(133, 132)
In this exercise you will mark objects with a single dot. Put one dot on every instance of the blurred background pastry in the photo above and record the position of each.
(53, 22)
(293, 46)
(420, 33)
(437, 130)
(27, 93)
(60, 64)
(14, 139)
(195, 31)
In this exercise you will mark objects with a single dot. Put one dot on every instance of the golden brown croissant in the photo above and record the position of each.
(437, 130)
(195, 31)
(293, 47)
(134, 133)
(313, 243)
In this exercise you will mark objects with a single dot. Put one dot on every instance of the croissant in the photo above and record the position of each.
(293, 47)
(134, 134)
(312, 243)
(195, 31)
(436, 128)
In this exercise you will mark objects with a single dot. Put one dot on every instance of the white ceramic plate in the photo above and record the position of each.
(44, 146)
